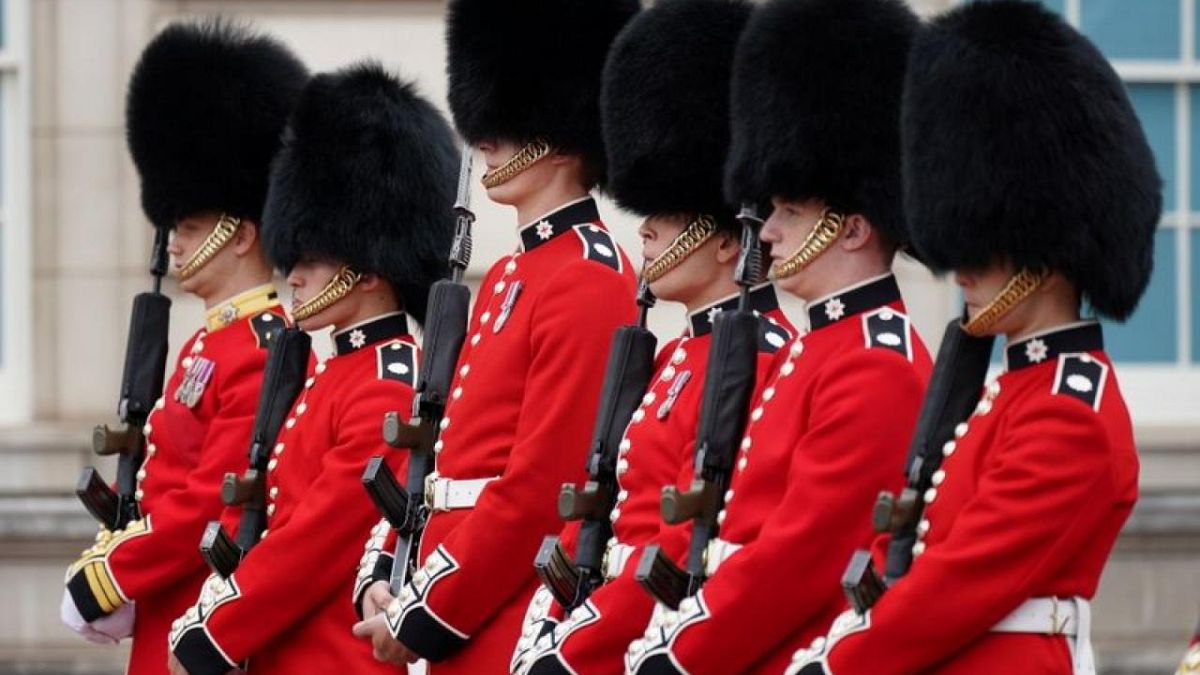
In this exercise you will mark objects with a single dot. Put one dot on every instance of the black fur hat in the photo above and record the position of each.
(816, 106)
(366, 177)
(665, 107)
(1020, 142)
(528, 69)
(204, 112)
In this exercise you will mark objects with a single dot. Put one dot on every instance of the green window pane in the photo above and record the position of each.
(1133, 29)
(1149, 336)
(1155, 105)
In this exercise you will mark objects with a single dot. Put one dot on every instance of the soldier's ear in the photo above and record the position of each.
(370, 281)
(245, 239)
(857, 232)
(728, 247)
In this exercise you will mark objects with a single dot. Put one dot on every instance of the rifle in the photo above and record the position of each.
(141, 386)
(958, 376)
(283, 380)
(626, 377)
(728, 385)
(445, 330)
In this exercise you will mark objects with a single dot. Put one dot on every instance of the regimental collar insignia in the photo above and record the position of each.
(244, 304)
(856, 299)
(1047, 346)
(353, 338)
(762, 300)
(562, 219)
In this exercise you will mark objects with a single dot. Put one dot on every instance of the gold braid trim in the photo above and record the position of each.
(699, 229)
(1021, 286)
(335, 290)
(525, 158)
(222, 234)
(824, 233)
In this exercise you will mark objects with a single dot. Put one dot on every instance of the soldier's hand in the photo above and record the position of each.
(386, 648)
(174, 666)
(376, 598)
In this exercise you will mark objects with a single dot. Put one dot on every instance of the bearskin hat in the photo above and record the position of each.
(366, 177)
(1021, 143)
(664, 106)
(816, 106)
(530, 69)
(206, 105)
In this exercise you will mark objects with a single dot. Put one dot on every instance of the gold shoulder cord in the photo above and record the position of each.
(335, 290)
(699, 229)
(1021, 286)
(221, 235)
(824, 233)
(525, 158)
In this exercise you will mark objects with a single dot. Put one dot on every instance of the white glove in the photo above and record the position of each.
(107, 630)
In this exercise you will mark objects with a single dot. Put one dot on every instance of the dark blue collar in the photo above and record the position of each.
(853, 300)
(366, 333)
(556, 222)
(1046, 346)
(762, 300)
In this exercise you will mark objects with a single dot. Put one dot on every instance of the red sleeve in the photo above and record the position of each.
(146, 564)
(862, 415)
(496, 542)
(292, 572)
(1042, 495)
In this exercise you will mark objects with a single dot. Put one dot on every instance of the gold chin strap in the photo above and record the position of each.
(1021, 286)
(824, 233)
(525, 158)
(699, 230)
(335, 290)
(221, 235)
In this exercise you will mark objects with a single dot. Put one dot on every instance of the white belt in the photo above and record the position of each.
(446, 494)
(615, 559)
(1071, 617)
(718, 552)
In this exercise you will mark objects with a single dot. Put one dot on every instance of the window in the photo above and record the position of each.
(16, 251)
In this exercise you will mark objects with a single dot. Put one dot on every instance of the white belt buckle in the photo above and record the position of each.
(433, 483)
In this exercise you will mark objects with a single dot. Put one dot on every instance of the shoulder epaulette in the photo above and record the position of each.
(397, 360)
(885, 328)
(771, 336)
(265, 325)
(1080, 376)
(599, 246)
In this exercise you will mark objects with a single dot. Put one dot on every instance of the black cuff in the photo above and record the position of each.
(550, 664)
(658, 664)
(381, 572)
(425, 635)
(85, 600)
(199, 655)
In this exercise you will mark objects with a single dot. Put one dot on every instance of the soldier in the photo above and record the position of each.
(524, 84)
(1028, 174)
(815, 130)
(205, 109)
(357, 216)
(671, 174)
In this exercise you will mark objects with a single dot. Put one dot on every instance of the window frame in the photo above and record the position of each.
(16, 230)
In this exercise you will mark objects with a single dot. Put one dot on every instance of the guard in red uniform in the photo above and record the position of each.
(1028, 174)
(206, 106)
(524, 84)
(815, 130)
(358, 214)
(673, 176)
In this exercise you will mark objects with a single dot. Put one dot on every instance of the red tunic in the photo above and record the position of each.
(1030, 499)
(285, 608)
(154, 561)
(828, 431)
(658, 447)
(521, 411)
